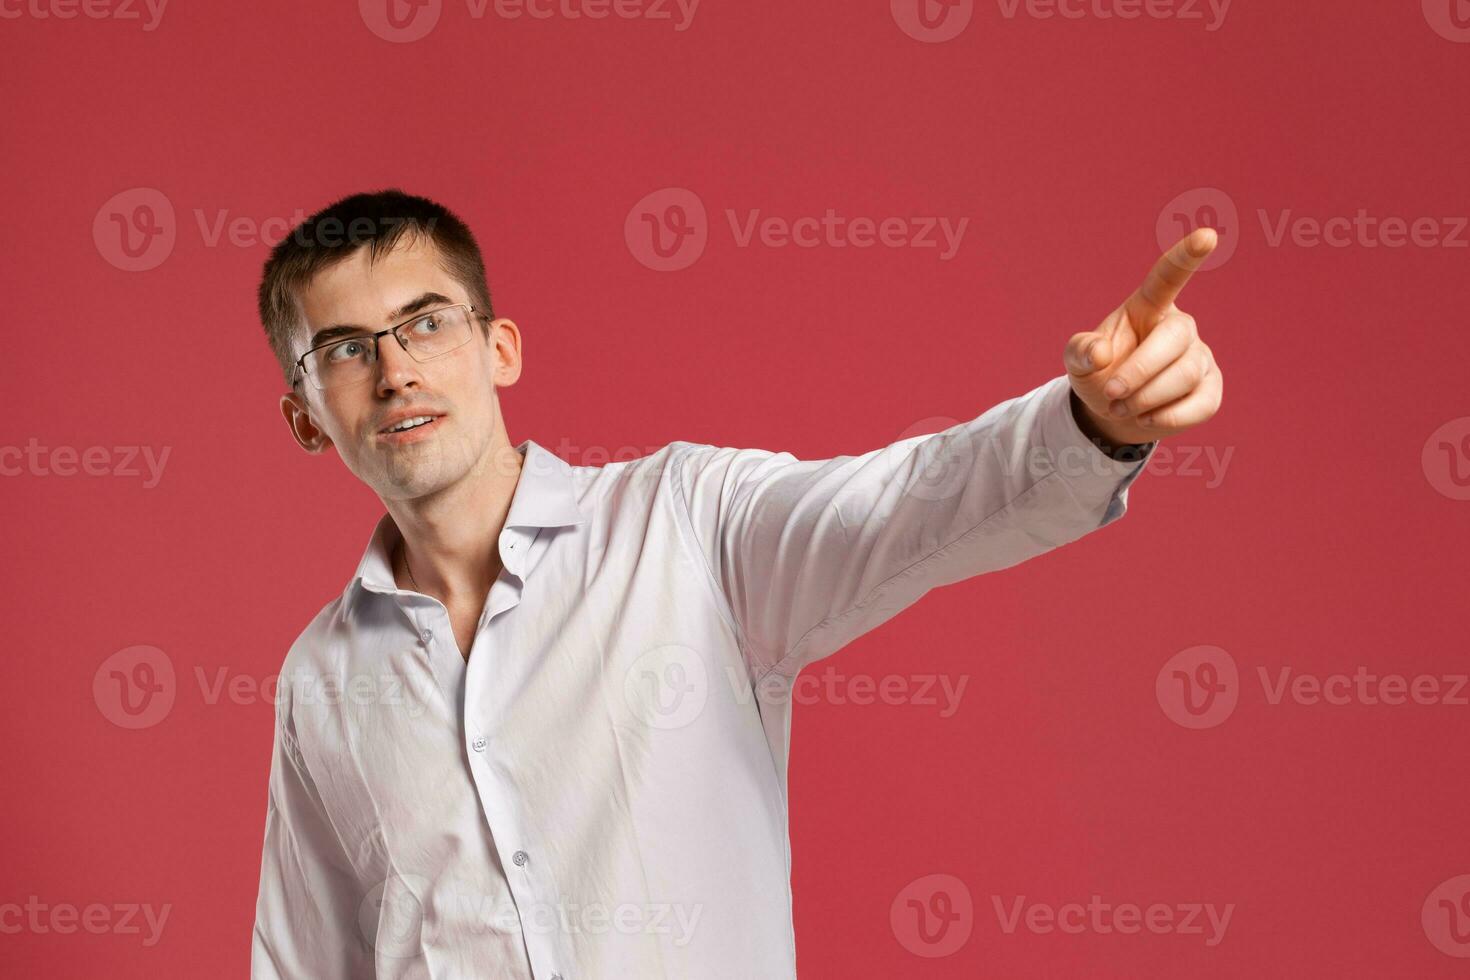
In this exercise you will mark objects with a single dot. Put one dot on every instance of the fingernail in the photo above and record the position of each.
(1116, 388)
(1087, 356)
(1118, 409)
(1145, 421)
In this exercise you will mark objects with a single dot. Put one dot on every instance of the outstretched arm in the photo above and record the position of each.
(807, 555)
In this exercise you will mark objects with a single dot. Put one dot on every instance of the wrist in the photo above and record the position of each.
(1100, 433)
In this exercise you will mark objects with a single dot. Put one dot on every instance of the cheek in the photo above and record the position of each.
(475, 382)
(342, 421)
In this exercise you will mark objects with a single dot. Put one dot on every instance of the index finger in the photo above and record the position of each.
(1168, 276)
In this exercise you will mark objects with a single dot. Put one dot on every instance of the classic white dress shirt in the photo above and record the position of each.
(599, 793)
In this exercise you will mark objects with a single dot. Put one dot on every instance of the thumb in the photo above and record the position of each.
(1088, 352)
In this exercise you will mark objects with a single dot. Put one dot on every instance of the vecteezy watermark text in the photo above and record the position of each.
(669, 229)
(1101, 918)
(402, 23)
(1363, 228)
(935, 915)
(1201, 686)
(98, 918)
(35, 459)
(122, 10)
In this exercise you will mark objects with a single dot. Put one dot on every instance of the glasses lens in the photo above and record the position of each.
(350, 360)
(436, 333)
(343, 363)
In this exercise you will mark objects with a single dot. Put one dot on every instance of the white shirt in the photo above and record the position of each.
(600, 792)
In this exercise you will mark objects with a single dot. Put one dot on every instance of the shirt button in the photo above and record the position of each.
(478, 744)
(520, 858)
(426, 635)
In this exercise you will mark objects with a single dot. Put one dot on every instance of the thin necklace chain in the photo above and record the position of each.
(409, 568)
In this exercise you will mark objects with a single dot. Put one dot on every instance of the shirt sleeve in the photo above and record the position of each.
(306, 913)
(810, 554)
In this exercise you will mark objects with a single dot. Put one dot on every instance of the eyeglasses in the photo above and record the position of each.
(349, 360)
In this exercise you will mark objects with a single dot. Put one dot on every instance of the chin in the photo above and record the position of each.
(422, 473)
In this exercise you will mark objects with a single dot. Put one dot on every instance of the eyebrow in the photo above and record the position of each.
(406, 310)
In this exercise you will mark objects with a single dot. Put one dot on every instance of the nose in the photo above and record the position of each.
(396, 370)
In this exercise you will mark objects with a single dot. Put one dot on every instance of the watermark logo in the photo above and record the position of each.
(935, 21)
(1201, 207)
(933, 916)
(400, 21)
(942, 464)
(409, 693)
(1446, 459)
(667, 230)
(667, 687)
(1446, 916)
(1212, 207)
(1198, 687)
(1450, 19)
(932, 21)
(391, 916)
(135, 229)
(135, 687)
(403, 21)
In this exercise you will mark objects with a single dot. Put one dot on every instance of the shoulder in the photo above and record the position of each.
(644, 477)
(316, 651)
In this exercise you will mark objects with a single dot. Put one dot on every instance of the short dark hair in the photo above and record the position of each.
(377, 219)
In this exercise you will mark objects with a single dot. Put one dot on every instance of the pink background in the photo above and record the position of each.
(1333, 541)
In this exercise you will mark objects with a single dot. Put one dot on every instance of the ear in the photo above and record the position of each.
(506, 339)
(298, 417)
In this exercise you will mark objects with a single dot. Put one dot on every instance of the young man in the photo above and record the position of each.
(543, 732)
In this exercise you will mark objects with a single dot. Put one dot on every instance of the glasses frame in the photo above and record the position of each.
(376, 338)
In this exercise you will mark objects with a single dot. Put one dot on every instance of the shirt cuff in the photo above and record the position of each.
(1097, 478)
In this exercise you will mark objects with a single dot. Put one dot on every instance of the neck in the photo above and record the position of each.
(452, 536)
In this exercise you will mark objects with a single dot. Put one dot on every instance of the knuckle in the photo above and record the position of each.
(1195, 370)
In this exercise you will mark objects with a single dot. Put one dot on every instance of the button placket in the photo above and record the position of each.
(499, 797)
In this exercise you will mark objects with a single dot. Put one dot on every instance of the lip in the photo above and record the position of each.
(410, 435)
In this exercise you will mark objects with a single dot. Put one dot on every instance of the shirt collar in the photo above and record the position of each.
(545, 496)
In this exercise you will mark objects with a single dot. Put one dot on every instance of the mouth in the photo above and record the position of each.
(411, 429)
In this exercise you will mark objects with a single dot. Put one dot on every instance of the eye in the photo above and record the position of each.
(426, 326)
(346, 351)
